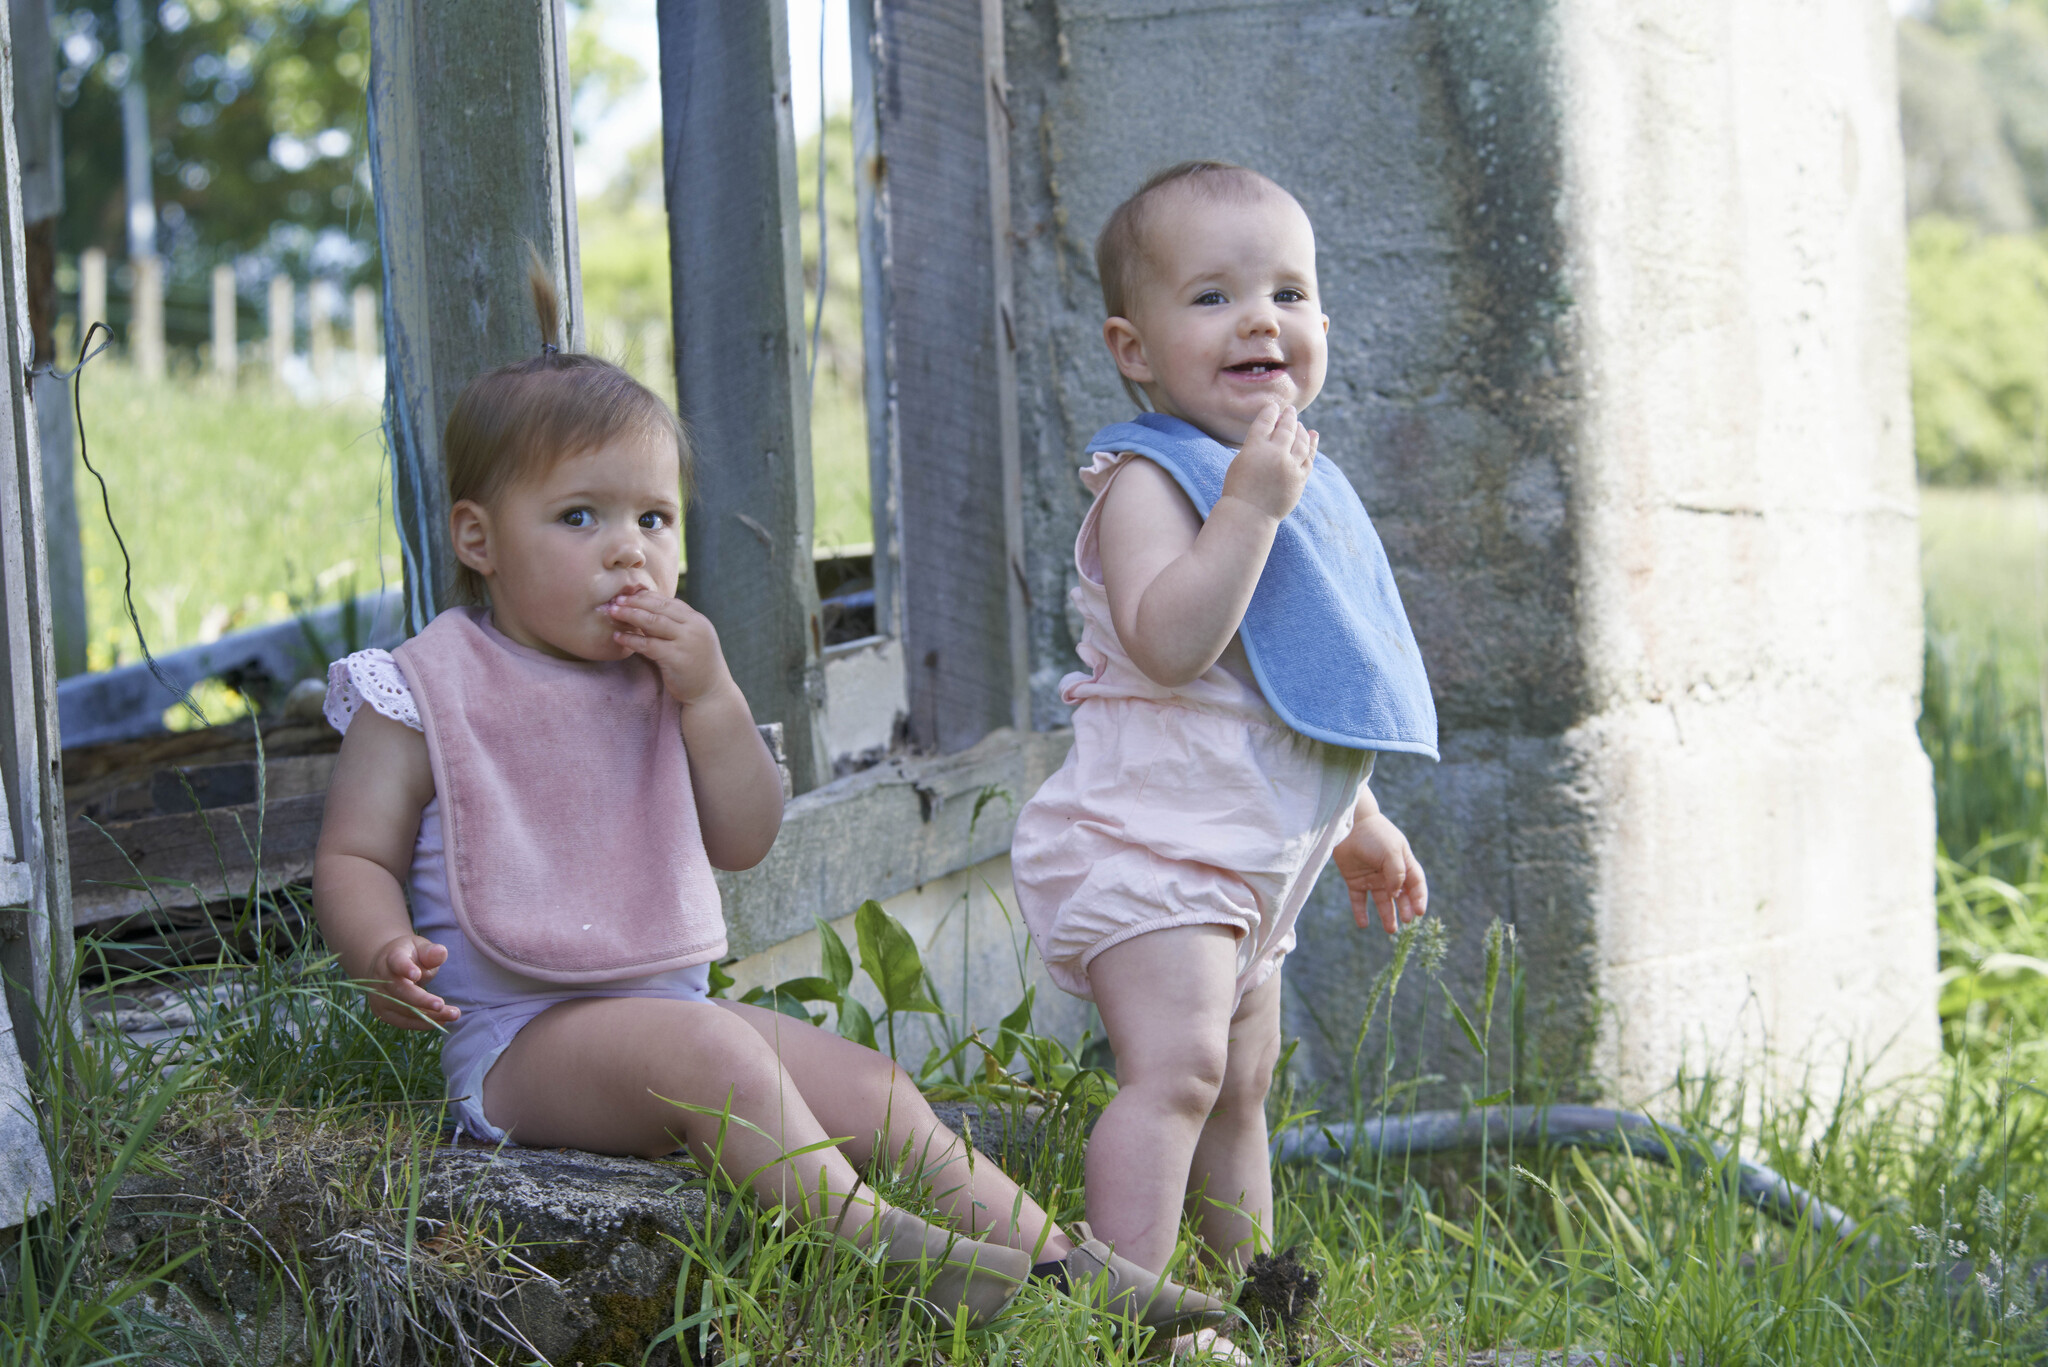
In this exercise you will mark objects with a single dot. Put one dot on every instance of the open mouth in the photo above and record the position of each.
(1257, 368)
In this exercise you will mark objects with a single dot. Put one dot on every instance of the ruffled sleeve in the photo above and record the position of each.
(1097, 472)
(372, 677)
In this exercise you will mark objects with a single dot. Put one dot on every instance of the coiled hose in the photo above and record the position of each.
(1591, 1127)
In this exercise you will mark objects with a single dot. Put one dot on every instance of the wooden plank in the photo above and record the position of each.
(37, 960)
(932, 134)
(131, 868)
(886, 830)
(470, 138)
(730, 175)
(37, 132)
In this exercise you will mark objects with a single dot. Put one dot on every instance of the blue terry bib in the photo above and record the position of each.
(1327, 637)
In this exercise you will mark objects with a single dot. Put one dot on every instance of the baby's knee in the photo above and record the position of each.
(1186, 1081)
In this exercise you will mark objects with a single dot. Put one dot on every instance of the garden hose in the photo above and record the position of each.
(1594, 1127)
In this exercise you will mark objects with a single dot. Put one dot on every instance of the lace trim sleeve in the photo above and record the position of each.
(368, 676)
(1096, 473)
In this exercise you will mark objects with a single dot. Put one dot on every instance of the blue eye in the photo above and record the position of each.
(1290, 295)
(654, 522)
(579, 517)
(1210, 297)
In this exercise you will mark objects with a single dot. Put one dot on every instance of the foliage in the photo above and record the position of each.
(257, 128)
(1979, 352)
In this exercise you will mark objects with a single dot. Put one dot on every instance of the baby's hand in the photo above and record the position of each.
(1375, 861)
(398, 990)
(678, 639)
(1272, 466)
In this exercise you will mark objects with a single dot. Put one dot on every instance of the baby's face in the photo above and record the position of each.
(1226, 317)
(555, 550)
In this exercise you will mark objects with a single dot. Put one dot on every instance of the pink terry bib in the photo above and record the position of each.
(573, 850)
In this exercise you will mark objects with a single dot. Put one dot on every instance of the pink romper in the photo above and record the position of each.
(1177, 806)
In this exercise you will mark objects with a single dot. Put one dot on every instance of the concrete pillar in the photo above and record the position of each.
(1618, 364)
(363, 336)
(224, 354)
(281, 320)
(92, 289)
(146, 318)
(322, 302)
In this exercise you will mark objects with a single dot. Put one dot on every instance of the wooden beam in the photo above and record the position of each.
(932, 138)
(37, 960)
(470, 150)
(735, 270)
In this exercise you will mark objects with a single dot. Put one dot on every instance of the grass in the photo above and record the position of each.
(231, 506)
(1419, 1259)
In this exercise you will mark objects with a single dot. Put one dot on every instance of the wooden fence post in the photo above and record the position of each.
(224, 356)
(92, 289)
(321, 302)
(470, 151)
(736, 279)
(146, 319)
(35, 879)
(363, 334)
(281, 325)
(931, 151)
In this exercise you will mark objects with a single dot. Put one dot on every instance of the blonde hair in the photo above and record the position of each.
(516, 422)
(1120, 249)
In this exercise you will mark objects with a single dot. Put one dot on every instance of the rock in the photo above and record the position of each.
(565, 1256)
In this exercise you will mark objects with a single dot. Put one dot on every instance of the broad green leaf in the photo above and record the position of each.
(889, 956)
(1019, 1020)
(856, 1024)
(838, 963)
(810, 989)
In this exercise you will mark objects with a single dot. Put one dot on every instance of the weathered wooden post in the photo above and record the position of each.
(931, 147)
(363, 334)
(447, 79)
(281, 323)
(92, 288)
(322, 300)
(35, 927)
(225, 358)
(736, 279)
(146, 316)
(38, 135)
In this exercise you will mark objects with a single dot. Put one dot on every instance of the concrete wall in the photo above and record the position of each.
(1617, 362)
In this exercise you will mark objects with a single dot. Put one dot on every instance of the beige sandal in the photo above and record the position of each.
(1098, 1276)
(961, 1278)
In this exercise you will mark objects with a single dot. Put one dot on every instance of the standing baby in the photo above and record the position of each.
(1246, 655)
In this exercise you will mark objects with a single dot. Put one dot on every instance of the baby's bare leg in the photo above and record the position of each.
(855, 1092)
(1231, 1178)
(593, 1075)
(1165, 999)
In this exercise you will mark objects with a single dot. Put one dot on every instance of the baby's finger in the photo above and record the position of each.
(1415, 892)
(1271, 415)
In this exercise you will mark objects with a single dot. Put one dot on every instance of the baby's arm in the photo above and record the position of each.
(1375, 861)
(381, 784)
(738, 788)
(1178, 586)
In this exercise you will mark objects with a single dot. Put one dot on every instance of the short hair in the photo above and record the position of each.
(518, 421)
(1120, 250)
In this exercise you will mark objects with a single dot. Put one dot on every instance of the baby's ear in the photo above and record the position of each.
(469, 528)
(1127, 348)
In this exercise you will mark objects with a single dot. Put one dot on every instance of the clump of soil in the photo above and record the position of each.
(1278, 1289)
